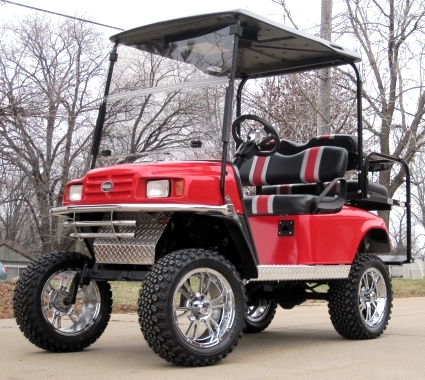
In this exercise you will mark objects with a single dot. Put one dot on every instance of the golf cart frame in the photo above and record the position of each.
(306, 226)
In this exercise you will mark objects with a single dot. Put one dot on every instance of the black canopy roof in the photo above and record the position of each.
(266, 47)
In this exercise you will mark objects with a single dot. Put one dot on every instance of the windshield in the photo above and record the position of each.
(166, 100)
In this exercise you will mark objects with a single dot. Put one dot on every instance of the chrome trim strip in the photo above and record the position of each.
(101, 223)
(151, 207)
(301, 272)
(86, 235)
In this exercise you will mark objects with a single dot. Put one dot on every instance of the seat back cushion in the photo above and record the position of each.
(314, 165)
(348, 142)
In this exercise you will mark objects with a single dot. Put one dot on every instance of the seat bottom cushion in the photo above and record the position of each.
(294, 204)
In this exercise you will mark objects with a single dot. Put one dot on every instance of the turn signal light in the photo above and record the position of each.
(178, 188)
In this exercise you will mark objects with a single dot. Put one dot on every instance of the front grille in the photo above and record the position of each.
(122, 187)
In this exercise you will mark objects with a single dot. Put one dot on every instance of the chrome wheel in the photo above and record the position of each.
(260, 314)
(360, 306)
(65, 318)
(204, 307)
(372, 297)
(259, 311)
(46, 315)
(192, 307)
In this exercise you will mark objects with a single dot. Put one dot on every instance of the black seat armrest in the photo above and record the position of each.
(334, 204)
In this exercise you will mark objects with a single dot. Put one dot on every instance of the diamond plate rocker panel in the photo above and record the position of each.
(301, 272)
(139, 250)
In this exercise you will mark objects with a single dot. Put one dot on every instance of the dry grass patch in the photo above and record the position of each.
(125, 296)
(408, 288)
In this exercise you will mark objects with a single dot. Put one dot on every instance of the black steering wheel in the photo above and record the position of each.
(258, 141)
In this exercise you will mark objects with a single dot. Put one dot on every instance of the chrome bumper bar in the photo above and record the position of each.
(226, 210)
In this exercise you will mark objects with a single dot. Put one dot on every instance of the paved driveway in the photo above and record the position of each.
(299, 344)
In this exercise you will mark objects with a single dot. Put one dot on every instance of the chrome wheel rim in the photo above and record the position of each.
(203, 307)
(258, 312)
(73, 319)
(372, 297)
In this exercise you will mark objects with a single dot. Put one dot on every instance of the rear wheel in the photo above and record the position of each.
(260, 315)
(192, 307)
(44, 313)
(360, 306)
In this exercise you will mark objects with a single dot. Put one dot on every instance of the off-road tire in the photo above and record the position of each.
(257, 322)
(31, 314)
(158, 313)
(347, 300)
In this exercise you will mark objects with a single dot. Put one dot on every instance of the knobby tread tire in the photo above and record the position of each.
(252, 327)
(344, 301)
(156, 317)
(28, 310)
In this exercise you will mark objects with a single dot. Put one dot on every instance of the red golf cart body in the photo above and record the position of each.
(166, 223)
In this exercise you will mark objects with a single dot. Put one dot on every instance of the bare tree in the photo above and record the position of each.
(292, 103)
(49, 74)
(388, 34)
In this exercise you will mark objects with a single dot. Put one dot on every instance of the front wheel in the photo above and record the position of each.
(360, 306)
(43, 310)
(192, 307)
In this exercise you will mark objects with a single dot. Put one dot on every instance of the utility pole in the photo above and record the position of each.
(323, 118)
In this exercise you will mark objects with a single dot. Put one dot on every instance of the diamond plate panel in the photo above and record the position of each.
(301, 272)
(140, 249)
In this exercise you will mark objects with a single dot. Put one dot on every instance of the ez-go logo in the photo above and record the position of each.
(106, 186)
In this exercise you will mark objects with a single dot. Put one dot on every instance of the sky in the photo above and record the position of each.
(128, 14)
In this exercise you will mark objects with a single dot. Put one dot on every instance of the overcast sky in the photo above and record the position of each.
(127, 14)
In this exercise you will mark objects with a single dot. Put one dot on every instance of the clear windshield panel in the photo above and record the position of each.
(166, 102)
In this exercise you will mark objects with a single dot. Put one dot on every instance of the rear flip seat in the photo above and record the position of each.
(348, 142)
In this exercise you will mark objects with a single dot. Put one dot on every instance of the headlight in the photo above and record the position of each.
(158, 189)
(75, 193)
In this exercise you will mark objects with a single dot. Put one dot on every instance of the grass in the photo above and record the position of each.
(408, 288)
(127, 293)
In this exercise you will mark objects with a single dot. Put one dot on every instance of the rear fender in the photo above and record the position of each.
(375, 241)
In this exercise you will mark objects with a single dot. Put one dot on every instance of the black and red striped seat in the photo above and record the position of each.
(314, 165)
(348, 142)
(311, 166)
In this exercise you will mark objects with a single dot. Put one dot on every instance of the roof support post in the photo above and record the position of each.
(236, 29)
(102, 109)
(362, 184)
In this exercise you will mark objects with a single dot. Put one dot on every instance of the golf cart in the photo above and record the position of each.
(218, 243)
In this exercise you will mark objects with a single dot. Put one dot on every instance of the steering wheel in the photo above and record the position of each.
(258, 140)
